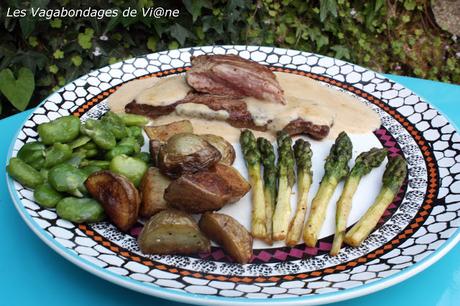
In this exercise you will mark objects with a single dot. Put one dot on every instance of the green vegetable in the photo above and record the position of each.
(88, 170)
(129, 167)
(103, 164)
(119, 150)
(269, 175)
(67, 178)
(134, 120)
(24, 173)
(44, 174)
(303, 154)
(364, 163)
(47, 196)
(127, 146)
(80, 210)
(102, 135)
(57, 154)
(113, 123)
(136, 132)
(88, 150)
(252, 157)
(76, 159)
(336, 168)
(33, 153)
(286, 180)
(144, 156)
(80, 141)
(63, 129)
(392, 179)
(130, 142)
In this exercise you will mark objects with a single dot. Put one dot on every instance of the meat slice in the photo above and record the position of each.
(231, 75)
(239, 116)
(300, 126)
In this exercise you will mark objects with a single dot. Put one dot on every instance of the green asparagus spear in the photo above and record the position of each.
(270, 173)
(286, 180)
(252, 157)
(303, 154)
(336, 168)
(364, 163)
(392, 179)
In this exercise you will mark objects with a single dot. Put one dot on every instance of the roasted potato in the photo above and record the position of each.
(230, 234)
(152, 189)
(198, 192)
(164, 132)
(207, 190)
(117, 195)
(186, 153)
(238, 184)
(154, 147)
(225, 148)
(172, 232)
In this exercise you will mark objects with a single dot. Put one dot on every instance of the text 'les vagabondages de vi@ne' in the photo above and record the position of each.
(153, 12)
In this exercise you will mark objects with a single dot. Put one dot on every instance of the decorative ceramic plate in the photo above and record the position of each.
(418, 228)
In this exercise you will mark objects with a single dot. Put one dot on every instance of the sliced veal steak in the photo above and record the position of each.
(239, 116)
(234, 76)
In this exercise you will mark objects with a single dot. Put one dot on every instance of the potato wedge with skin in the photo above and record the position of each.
(186, 153)
(154, 148)
(198, 192)
(172, 232)
(117, 195)
(237, 183)
(164, 132)
(225, 148)
(152, 189)
(228, 233)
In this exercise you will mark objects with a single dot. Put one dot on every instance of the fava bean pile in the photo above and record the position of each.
(68, 151)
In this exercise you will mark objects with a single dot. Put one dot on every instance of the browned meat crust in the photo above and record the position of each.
(299, 126)
(240, 117)
(231, 75)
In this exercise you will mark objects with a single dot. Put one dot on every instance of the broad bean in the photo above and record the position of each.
(144, 156)
(132, 168)
(24, 173)
(80, 141)
(136, 132)
(33, 153)
(118, 150)
(80, 210)
(115, 124)
(47, 196)
(102, 136)
(67, 178)
(134, 120)
(57, 154)
(63, 129)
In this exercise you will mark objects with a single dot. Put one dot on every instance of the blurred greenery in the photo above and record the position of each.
(391, 36)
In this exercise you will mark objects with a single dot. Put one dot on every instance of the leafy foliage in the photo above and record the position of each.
(392, 36)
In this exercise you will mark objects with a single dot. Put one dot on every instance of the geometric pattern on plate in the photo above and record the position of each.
(421, 224)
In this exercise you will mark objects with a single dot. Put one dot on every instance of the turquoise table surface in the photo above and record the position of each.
(33, 274)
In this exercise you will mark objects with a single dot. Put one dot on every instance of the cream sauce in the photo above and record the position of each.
(350, 114)
(128, 92)
(196, 110)
(306, 99)
(154, 91)
(164, 92)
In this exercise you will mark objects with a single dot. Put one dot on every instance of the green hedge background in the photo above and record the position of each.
(38, 56)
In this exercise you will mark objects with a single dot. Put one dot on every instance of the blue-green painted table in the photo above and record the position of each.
(33, 274)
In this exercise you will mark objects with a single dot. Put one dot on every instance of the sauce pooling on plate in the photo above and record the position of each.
(306, 99)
